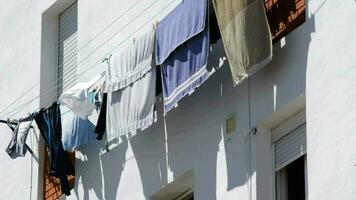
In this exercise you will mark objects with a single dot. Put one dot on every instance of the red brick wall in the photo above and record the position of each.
(284, 16)
(52, 186)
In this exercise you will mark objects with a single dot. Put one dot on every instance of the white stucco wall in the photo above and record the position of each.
(331, 97)
(20, 28)
(192, 137)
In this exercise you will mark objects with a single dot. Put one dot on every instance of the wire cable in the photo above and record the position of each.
(92, 66)
(60, 77)
(249, 168)
(80, 49)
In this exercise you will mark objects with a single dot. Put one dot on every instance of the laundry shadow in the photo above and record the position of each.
(288, 68)
(183, 137)
(188, 137)
(283, 79)
(113, 163)
(193, 144)
(149, 149)
(100, 171)
(231, 102)
(194, 132)
(89, 162)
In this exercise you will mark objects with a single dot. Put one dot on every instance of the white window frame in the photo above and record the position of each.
(181, 188)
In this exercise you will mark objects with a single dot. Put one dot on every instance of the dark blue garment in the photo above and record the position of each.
(49, 124)
(182, 49)
(182, 23)
(185, 69)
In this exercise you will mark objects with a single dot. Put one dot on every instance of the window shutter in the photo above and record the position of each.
(66, 77)
(290, 147)
(67, 48)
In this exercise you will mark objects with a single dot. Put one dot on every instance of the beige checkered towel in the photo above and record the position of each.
(246, 35)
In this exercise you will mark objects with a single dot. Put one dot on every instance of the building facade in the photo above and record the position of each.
(285, 132)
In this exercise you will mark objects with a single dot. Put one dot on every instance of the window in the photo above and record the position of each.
(180, 189)
(66, 77)
(290, 150)
(187, 195)
(291, 181)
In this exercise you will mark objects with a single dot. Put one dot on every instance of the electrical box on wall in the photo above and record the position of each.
(230, 124)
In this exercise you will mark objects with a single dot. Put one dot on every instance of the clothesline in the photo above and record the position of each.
(91, 53)
(129, 91)
(21, 107)
(7, 122)
(88, 42)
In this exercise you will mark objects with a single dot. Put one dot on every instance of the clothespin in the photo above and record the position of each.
(109, 57)
(12, 121)
(155, 24)
(97, 87)
(134, 40)
(106, 59)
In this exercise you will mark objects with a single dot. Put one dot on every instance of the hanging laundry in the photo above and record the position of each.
(76, 98)
(101, 123)
(49, 124)
(213, 28)
(94, 98)
(76, 131)
(17, 146)
(130, 86)
(182, 48)
(246, 35)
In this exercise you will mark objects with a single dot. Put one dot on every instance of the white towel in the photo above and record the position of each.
(131, 86)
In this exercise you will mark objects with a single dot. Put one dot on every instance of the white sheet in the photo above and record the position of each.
(131, 87)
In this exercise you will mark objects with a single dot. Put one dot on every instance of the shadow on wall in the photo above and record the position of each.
(296, 49)
(149, 149)
(188, 138)
(287, 70)
(290, 56)
(90, 162)
(112, 168)
(101, 172)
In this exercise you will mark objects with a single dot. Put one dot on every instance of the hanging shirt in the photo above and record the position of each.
(76, 98)
(49, 124)
(17, 145)
(245, 34)
(76, 131)
(183, 54)
(130, 88)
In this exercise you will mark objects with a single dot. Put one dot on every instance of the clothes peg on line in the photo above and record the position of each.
(106, 59)
(134, 40)
(155, 24)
